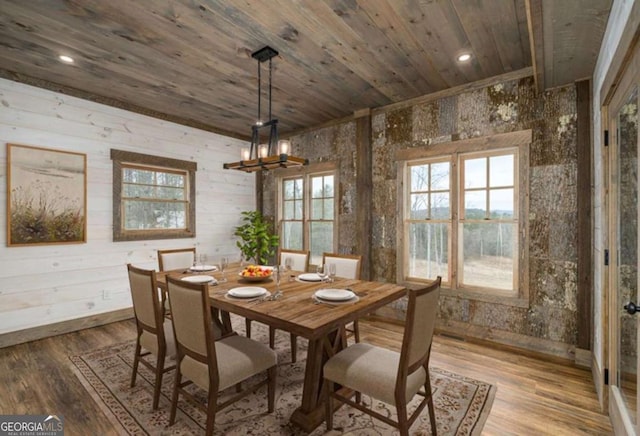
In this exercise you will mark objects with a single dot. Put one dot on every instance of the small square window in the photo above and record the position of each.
(153, 198)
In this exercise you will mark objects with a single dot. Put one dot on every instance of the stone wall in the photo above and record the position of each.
(503, 107)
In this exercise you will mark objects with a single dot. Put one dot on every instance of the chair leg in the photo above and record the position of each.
(432, 410)
(403, 424)
(158, 385)
(358, 397)
(328, 416)
(272, 337)
(212, 408)
(271, 388)
(356, 330)
(294, 348)
(136, 360)
(174, 396)
(247, 324)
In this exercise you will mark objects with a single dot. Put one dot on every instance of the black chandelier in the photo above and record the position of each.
(273, 154)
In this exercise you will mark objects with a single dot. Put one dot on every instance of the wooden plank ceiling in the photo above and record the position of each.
(190, 60)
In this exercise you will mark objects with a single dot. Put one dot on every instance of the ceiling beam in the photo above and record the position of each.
(536, 40)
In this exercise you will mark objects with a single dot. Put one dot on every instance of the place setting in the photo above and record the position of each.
(324, 273)
(202, 266)
(247, 293)
(200, 278)
(334, 297)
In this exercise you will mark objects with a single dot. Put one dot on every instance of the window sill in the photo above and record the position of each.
(479, 296)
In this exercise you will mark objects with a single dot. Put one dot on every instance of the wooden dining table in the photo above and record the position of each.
(297, 312)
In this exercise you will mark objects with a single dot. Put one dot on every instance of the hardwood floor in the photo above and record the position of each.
(535, 397)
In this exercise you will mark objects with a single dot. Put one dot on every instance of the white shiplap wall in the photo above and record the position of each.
(46, 284)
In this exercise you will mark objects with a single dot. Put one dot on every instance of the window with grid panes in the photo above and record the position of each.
(461, 220)
(488, 230)
(292, 222)
(307, 214)
(150, 200)
(154, 198)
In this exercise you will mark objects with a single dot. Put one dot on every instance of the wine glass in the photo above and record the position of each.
(322, 272)
(203, 261)
(224, 262)
(288, 265)
(277, 273)
(332, 272)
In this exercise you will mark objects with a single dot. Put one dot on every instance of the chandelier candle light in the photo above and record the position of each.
(273, 154)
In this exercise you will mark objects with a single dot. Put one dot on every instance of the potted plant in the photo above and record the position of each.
(257, 241)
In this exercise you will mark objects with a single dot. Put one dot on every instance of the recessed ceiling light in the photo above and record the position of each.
(464, 57)
(67, 59)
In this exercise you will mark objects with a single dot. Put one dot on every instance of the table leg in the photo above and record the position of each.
(311, 413)
(222, 320)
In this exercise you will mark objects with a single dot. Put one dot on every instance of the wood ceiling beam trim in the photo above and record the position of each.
(536, 40)
(467, 87)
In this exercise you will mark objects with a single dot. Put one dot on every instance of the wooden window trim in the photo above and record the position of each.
(306, 172)
(122, 158)
(520, 140)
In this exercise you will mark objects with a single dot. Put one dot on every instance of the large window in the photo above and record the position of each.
(463, 219)
(307, 213)
(429, 219)
(154, 197)
(488, 221)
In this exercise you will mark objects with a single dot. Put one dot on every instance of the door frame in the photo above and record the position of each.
(629, 76)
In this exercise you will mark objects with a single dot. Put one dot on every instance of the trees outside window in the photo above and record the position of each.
(462, 217)
(307, 213)
(153, 197)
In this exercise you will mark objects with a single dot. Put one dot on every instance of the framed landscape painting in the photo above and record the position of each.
(46, 196)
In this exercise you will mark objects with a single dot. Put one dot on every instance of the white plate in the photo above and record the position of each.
(247, 292)
(310, 277)
(199, 279)
(203, 268)
(334, 294)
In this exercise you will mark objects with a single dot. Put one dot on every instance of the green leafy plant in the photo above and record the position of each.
(257, 241)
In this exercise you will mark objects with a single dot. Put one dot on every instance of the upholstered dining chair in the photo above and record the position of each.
(299, 259)
(299, 262)
(154, 331)
(176, 258)
(213, 365)
(348, 266)
(388, 376)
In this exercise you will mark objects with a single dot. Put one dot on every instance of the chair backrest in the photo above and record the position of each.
(191, 315)
(348, 266)
(176, 258)
(299, 259)
(146, 305)
(422, 311)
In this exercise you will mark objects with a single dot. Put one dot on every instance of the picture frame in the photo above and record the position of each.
(46, 196)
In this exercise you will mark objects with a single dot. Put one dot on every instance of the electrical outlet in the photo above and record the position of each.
(106, 294)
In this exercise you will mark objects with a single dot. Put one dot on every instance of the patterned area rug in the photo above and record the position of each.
(462, 404)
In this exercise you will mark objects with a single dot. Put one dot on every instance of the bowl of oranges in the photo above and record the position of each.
(256, 273)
